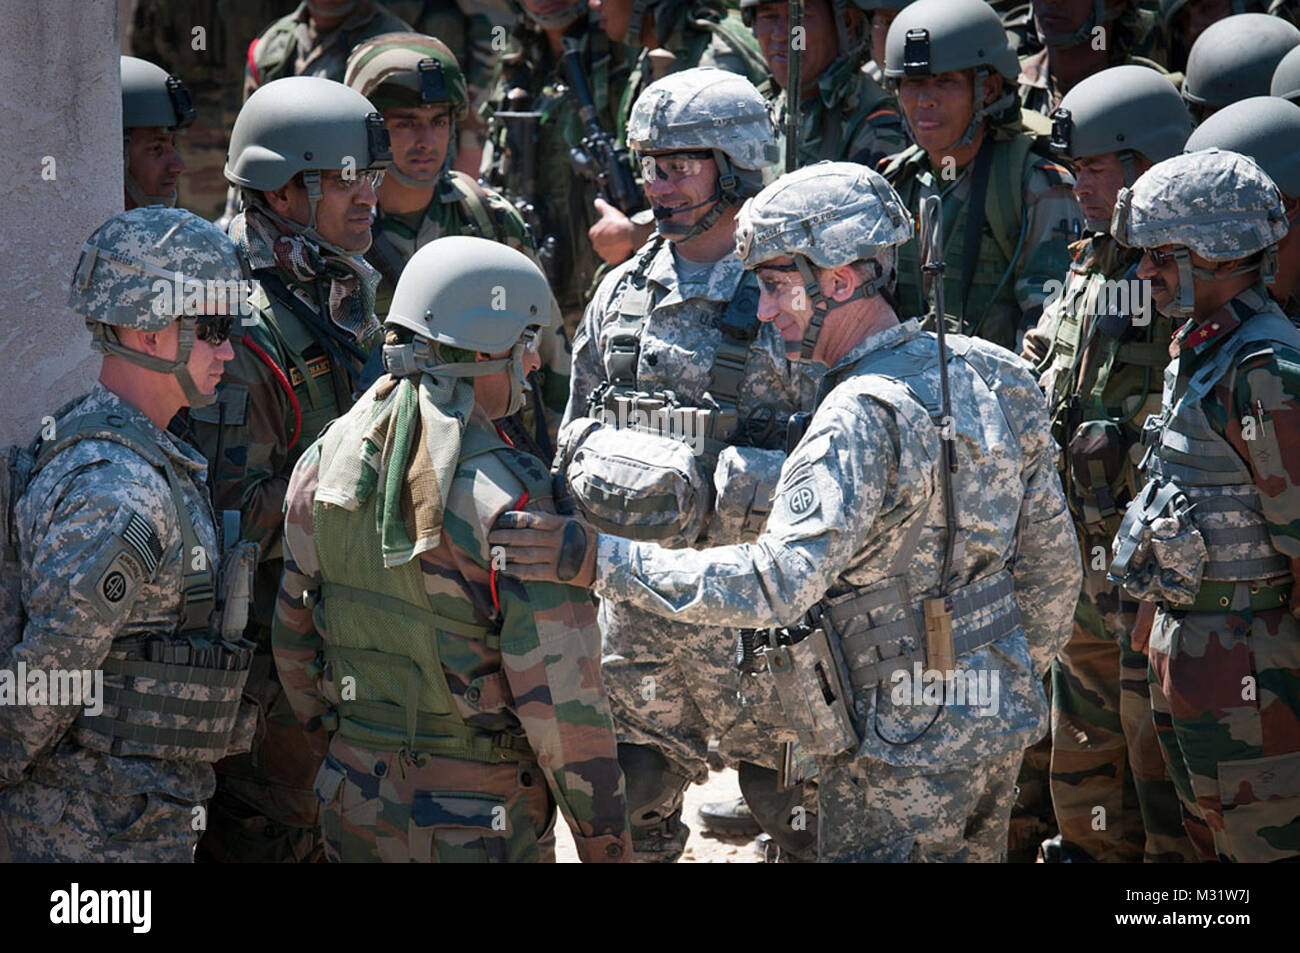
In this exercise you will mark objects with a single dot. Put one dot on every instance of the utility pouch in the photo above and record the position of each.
(811, 691)
(235, 589)
(1097, 454)
(743, 483)
(1159, 552)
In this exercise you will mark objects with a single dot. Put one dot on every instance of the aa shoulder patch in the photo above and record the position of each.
(798, 493)
(128, 556)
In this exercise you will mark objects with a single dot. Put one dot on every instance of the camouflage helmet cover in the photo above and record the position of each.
(832, 213)
(704, 108)
(942, 36)
(298, 123)
(152, 97)
(395, 70)
(1235, 58)
(117, 277)
(1219, 204)
(1125, 107)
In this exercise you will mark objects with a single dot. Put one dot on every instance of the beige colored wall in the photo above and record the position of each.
(61, 112)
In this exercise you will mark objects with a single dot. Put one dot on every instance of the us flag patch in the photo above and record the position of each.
(140, 536)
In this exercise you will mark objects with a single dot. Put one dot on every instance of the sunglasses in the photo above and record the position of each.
(214, 330)
(675, 166)
(1159, 258)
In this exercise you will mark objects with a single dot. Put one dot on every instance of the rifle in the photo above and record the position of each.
(520, 144)
(793, 85)
(598, 158)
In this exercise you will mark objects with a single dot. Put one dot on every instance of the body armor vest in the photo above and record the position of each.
(383, 634)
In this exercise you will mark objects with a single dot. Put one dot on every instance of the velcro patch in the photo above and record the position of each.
(316, 366)
(802, 500)
(139, 535)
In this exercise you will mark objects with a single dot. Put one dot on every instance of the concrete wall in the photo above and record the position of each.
(61, 112)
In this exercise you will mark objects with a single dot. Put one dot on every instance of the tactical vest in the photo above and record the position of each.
(1196, 476)
(383, 634)
(197, 673)
(322, 388)
(275, 52)
(991, 311)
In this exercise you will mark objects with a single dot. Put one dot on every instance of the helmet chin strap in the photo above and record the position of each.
(822, 307)
(980, 110)
(307, 231)
(138, 195)
(725, 195)
(417, 357)
(107, 343)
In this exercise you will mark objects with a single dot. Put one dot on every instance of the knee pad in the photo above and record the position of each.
(654, 789)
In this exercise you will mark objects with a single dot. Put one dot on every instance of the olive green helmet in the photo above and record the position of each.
(144, 269)
(1263, 127)
(1286, 78)
(150, 97)
(827, 214)
(1216, 203)
(943, 36)
(303, 124)
(1126, 110)
(1235, 58)
(472, 295)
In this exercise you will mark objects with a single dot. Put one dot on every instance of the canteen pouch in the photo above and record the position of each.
(636, 484)
(743, 483)
(1159, 552)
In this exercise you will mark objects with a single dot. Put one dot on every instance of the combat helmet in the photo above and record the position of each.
(711, 110)
(1125, 109)
(1286, 78)
(1235, 58)
(144, 269)
(1219, 204)
(827, 214)
(459, 296)
(150, 97)
(1263, 127)
(942, 36)
(304, 124)
(401, 70)
(1100, 15)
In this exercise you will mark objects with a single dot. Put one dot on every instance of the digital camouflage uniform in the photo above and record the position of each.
(1225, 643)
(105, 565)
(405, 777)
(162, 32)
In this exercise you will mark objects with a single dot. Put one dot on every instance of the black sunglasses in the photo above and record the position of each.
(214, 330)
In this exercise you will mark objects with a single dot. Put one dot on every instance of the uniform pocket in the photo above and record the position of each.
(471, 828)
(1261, 807)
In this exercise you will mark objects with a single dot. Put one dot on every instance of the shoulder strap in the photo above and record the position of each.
(1006, 210)
(897, 162)
(975, 210)
(625, 346)
(739, 326)
(331, 338)
(1268, 326)
(474, 202)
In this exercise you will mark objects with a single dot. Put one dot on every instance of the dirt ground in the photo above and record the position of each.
(701, 848)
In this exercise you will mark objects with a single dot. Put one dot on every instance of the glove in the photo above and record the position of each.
(543, 547)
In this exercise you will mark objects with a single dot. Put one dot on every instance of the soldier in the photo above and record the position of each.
(856, 525)
(155, 108)
(116, 550)
(1186, 20)
(1074, 49)
(1212, 537)
(1234, 59)
(1266, 129)
(206, 41)
(419, 89)
(1103, 354)
(1286, 78)
(882, 13)
(954, 67)
(665, 36)
(454, 708)
(845, 114)
(307, 154)
(673, 332)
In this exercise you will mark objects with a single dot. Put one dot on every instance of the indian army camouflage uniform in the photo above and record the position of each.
(848, 494)
(451, 748)
(1137, 38)
(1104, 749)
(106, 537)
(531, 79)
(162, 32)
(1225, 643)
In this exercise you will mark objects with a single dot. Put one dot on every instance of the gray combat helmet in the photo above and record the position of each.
(1126, 110)
(827, 214)
(470, 294)
(1099, 16)
(1219, 204)
(150, 98)
(1286, 78)
(708, 109)
(303, 124)
(944, 36)
(144, 269)
(1263, 127)
(1235, 58)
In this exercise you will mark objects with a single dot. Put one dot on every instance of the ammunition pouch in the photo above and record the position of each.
(884, 630)
(1097, 456)
(743, 483)
(1159, 552)
(235, 589)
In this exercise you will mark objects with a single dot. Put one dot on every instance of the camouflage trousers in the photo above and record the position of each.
(671, 687)
(1110, 791)
(378, 808)
(1227, 711)
(873, 812)
(43, 824)
(1032, 820)
(264, 810)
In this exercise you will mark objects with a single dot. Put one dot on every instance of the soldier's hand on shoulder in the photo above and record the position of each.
(544, 547)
